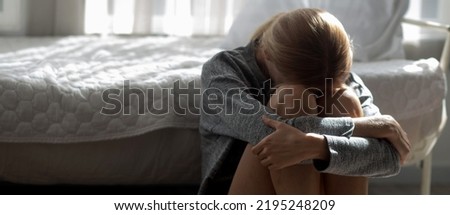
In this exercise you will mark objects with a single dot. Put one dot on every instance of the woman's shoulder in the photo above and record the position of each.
(225, 56)
(226, 61)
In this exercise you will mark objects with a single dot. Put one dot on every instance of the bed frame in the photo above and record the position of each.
(426, 163)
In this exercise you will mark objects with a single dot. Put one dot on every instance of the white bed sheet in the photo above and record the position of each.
(53, 92)
(50, 100)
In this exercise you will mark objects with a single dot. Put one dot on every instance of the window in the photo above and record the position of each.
(11, 19)
(172, 17)
(429, 10)
(420, 9)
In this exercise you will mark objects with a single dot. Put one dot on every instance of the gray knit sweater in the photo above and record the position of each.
(234, 94)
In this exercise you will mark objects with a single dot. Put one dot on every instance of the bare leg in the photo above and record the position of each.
(348, 105)
(302, 178)
(251, 177)
(345, 185)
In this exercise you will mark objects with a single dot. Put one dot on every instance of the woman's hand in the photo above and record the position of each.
(387, 127)
(288, 146)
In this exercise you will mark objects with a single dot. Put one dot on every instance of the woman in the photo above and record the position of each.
(236, 86)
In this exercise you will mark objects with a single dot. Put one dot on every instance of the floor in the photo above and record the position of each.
(8, 189)
(407, 189)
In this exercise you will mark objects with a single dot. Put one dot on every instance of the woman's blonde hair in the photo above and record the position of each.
(307, 46)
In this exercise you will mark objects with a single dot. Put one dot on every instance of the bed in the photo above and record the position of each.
(92, 110)
(53, 129)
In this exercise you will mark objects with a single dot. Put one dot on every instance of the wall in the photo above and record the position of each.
(40, 17)
(444, 15)
(12, 22)
(55, 17)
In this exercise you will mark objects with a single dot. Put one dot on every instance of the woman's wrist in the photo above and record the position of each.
(373, 126)
(319, 146)
(361, 127)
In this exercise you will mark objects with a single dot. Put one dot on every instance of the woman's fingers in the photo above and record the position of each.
(262, 154)
(258, 148)
(271, 122)
(403, 147)
(279, 149)
(399, 140)
(265, 162)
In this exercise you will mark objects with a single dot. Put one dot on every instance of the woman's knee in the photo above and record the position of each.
(345, 185)
(302, 179)
(251, 177)
(344, 102)
(293, 100)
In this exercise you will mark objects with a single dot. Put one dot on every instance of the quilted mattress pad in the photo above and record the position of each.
(404, 88)
(51, 90)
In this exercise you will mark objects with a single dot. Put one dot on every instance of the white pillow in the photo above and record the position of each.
(373, 25)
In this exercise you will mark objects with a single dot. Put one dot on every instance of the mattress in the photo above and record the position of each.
(91, 110)
(80, 89)
(169, 156)
(52, 130)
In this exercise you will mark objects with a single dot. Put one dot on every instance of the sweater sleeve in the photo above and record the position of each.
(373, 157)
(229, 108)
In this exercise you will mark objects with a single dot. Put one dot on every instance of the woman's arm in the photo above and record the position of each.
(230, 109)
(387, 128)
(376, 125)
(286, 145)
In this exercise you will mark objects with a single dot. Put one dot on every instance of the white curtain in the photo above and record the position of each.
(172, 17)
(11, 21)
(72, 17)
